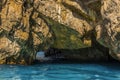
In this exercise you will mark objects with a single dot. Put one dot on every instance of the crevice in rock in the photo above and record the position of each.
(79, 12)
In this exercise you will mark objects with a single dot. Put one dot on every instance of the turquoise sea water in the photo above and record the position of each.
(61, 71)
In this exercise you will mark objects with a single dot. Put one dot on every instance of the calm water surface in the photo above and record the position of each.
(61, 72)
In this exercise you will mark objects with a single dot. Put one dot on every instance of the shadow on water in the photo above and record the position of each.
(111, 65)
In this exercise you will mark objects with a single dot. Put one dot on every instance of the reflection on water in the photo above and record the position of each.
(61, 72)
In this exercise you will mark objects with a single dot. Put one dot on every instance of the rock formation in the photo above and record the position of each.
(28, 26)
(21, 32)
(109, 29)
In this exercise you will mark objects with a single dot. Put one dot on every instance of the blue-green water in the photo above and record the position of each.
(61, 72)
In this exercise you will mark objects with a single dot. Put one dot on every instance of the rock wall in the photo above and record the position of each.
(28, 26)
(109, 29)
(21, 32)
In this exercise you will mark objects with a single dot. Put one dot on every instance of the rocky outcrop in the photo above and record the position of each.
(28, 26)
(21, 32)
(109, 29)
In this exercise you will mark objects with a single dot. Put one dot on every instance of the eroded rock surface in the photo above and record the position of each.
(21, 32)
(109, 30)
(28, 26)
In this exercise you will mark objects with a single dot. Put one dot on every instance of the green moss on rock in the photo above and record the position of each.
(65, 37)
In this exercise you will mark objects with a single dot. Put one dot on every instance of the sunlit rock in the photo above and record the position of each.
(30, 26)
(109, 30)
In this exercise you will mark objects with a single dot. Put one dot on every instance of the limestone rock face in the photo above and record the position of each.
(58, 11)
(70, 29)
(28, 26)
(109, 30)
(21, 32)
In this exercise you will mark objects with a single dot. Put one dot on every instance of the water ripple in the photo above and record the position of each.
(60, 72)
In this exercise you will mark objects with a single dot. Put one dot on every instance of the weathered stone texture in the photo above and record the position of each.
(28, 26)
(108, 31)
